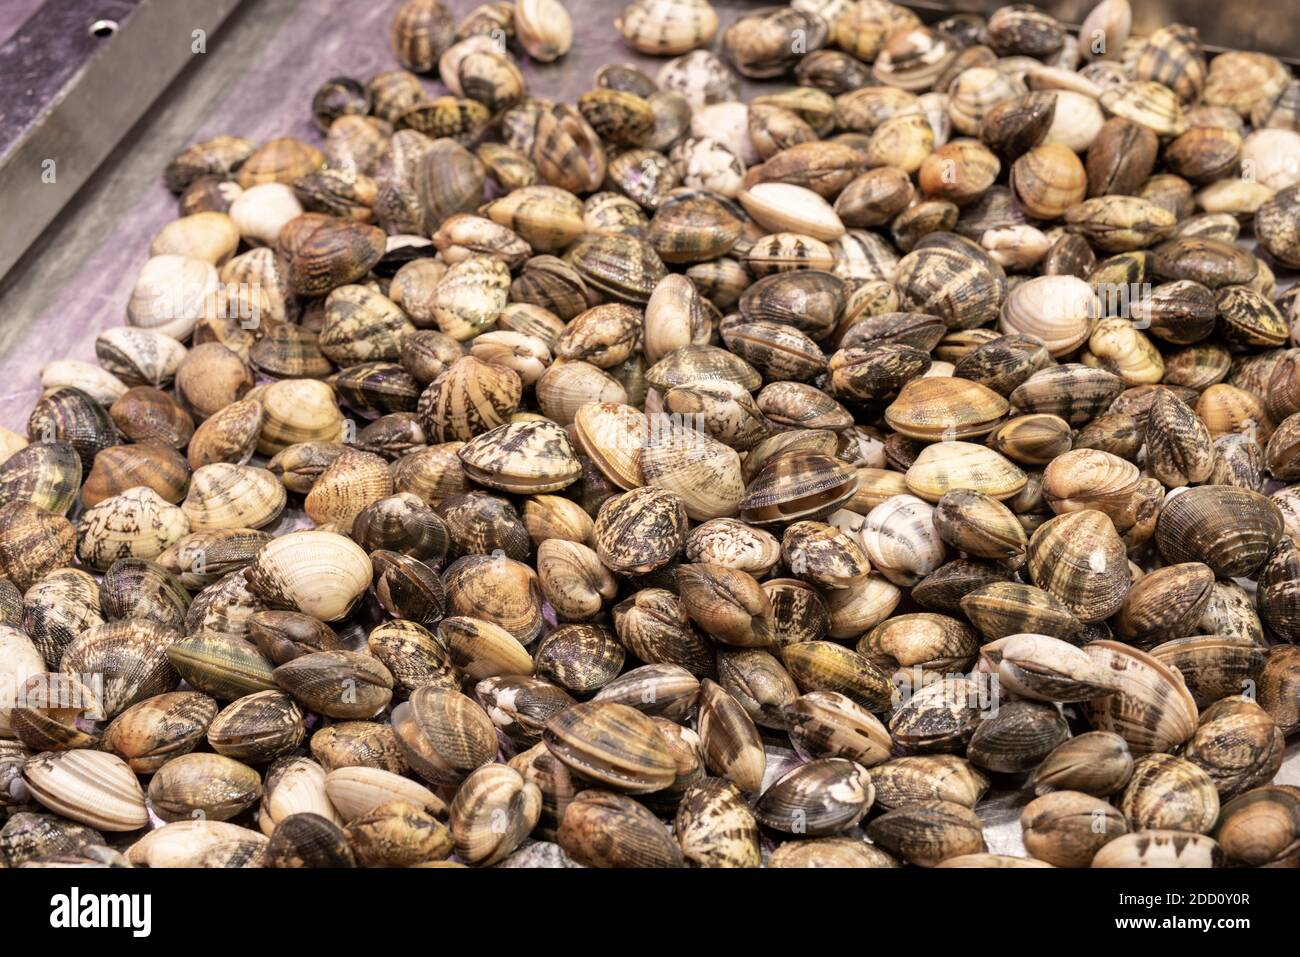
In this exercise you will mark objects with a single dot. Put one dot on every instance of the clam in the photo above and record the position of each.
(358, 744)
(48, 707)
(659, 690)
(258, 728)
(199, 843)
(203, 558)
(203, 785)
(821, 797)
(224, 667)
(521, 457)
(148, 415)
(1078, 558)
(93, 787)
(319, 573)
(46, 474)
(945, 466)
(726, 603)
(222, 495)
(137, 523)
(1237, 744)
(494, 810)
(579, 658)
(641, 530)
(1159, 848)
(594, 814)
(520, 705)
(938, 718)
(170, 294)
(339, 684)
(1169, 793)
(34, 542)
(1277, 686)
(28, 837)
(900, 538)
(611, 744)
(1194, 526)
(498, 590)
(1096, 763)
(296, 411)
(653, 625)
(1068, 828)
(443, 735)
(153, 731)
(945, 408)
(1213, 666)
(1044, 668)
(1259, 827)
(356, 791)
(130, 657)
(730, 740)
(715, 826)
(928, 832)
(1151, 707)
(398, 834)
(308, 839)
(573, 579)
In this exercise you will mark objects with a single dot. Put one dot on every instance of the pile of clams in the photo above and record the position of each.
(664, 479)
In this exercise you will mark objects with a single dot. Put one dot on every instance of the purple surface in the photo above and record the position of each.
(13, 14)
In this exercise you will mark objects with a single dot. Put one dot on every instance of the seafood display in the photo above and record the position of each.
(775, 458)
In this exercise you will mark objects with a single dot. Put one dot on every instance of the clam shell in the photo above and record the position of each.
(154, 731)
(258, 727)
(136, 523)
(494, 810)
(216, 787)
(612, 744)
(1169, 793)
(338, 684)
(356, 791)
(443, 735)
(130, 657)
(223, 495)
(1230, 529)
(93, 787)
(593, 815)
(319, 573)
(1151, 709)
(943, 777)
(1160, 848)
(928, 832)
(821, 797)
(1067, 828)
(522, 457)
(1096, 763)
(226, 668)
(732, 746)
(1078, 558)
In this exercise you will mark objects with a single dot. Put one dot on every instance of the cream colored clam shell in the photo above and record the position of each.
(786, 207)
(100, 384)
(222, 495)
(183, 843)
(359, 790)
(144, 354)
(19, 660)
(901, 539)
(298, 787)
(94, 787)
(170, 294)
(137, 523)
(321, 574)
